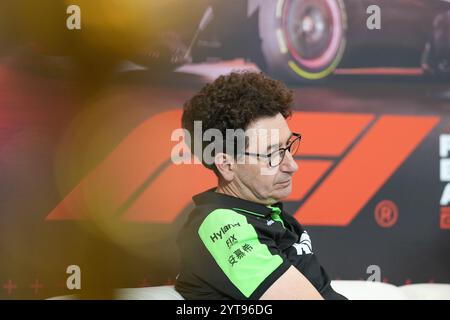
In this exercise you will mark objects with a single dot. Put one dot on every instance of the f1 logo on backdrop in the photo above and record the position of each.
(345, 159)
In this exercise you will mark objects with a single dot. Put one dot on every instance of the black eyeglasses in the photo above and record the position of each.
(276, 157)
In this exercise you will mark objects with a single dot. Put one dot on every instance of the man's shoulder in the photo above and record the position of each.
(222, 220)
(210, 220)
(210, 215)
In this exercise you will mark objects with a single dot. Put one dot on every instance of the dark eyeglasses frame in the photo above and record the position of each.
(298, 137)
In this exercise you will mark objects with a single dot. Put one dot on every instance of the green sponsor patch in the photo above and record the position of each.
(235, 246)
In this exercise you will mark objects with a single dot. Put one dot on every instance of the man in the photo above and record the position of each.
(238, 242)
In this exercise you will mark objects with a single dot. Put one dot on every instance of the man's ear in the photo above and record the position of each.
(225, 164)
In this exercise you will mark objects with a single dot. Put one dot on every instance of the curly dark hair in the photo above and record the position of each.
(234, 101)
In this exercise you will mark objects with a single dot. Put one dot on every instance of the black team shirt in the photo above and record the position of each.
(232, 248)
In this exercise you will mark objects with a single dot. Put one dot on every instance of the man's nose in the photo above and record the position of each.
(288, 164)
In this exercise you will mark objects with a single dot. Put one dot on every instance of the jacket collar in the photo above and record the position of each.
(238, 204)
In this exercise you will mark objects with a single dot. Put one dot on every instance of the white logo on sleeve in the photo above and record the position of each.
(304, 246)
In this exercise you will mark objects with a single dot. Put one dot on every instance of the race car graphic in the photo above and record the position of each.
(294, 40)
(306, 40)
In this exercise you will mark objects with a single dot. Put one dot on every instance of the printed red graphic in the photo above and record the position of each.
(346, 159)
(445, 218)
(386, 213)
